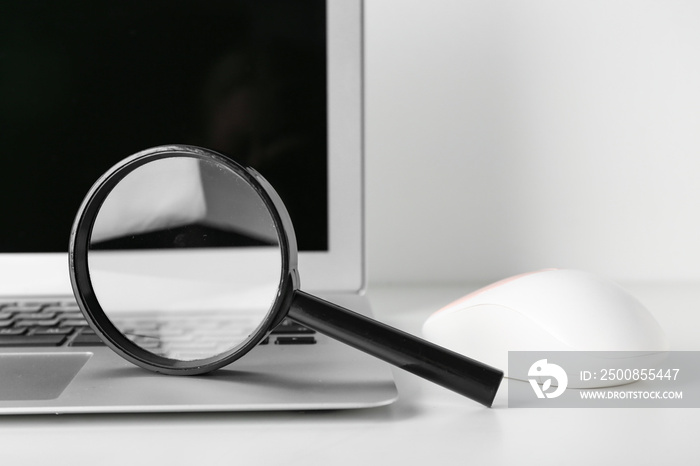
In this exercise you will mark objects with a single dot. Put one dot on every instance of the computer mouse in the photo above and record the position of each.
(552, 310)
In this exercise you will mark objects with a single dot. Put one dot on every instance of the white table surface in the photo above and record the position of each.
(428, 425)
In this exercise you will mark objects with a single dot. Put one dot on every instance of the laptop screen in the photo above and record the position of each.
(85, 84)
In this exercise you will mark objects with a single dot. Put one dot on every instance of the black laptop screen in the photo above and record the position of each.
(85, 84)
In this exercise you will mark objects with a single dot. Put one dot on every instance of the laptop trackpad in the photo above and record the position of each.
(38, 376)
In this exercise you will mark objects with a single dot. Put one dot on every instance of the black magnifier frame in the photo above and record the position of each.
(87, 299)
(451, 370)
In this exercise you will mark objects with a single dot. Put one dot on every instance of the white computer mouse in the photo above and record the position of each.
(551, 310)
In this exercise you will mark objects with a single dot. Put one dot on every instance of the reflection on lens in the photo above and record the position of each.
(184, 258)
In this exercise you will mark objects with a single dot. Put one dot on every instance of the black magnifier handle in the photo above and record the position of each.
(453, 371)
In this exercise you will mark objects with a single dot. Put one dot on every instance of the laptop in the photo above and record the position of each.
(84, 85)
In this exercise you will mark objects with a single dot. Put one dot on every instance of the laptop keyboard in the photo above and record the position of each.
(61, 323)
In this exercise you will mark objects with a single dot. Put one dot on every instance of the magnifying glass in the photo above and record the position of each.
(182, 261)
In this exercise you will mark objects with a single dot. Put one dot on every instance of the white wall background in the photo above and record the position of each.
(505, 136)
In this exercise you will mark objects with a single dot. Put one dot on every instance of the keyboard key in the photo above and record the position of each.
(53, 331)
(22, 308)
(47, 323)
(74, 323)
(35, 315)
(295, 341)
(66, 307)
(288, 326)
(35, 304)
(25, 323)
(31, 340)
(13, 331)
(35, 323)
(70, 315)
(87, 340)
(291, 329)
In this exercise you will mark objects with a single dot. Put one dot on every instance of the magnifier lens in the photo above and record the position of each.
(184, 259)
